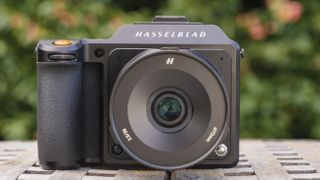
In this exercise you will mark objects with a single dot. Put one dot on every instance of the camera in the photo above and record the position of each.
(162, 94)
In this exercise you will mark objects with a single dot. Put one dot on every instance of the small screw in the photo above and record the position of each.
(221, 150)
(117, 149)
(99, 52)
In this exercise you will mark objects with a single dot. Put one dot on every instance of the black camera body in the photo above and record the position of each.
(161, 94)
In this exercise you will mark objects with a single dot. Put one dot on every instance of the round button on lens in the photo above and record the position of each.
(62, 42)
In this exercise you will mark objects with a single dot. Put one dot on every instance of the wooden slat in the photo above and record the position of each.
(300, 169)
(102, 172)
(98, 178)
(37, 170)
(293, 162)
(263, 162)
(97, 174)
(289, 158)
(243, 164)
(69, 174)
(241, 178)
(140, 174)
(243, 159)
(238, 172)
(33, 177)
(279, 149)
(285, 153)
(309, 150)
(296, 166)
(305, 176)
(191, 174)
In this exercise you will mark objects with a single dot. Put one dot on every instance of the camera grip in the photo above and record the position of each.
(59, 114)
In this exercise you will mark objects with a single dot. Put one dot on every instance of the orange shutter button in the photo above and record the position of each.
(62, 42)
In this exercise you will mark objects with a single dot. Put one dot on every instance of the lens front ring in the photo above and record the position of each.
(134, 85)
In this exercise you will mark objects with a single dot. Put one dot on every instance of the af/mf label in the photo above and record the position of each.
(212, 134)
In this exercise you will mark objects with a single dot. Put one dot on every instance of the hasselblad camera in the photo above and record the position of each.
(162, 94)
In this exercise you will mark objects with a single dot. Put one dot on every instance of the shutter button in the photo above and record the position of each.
(62, 42)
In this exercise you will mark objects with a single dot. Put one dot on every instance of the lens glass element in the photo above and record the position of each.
(169, 109)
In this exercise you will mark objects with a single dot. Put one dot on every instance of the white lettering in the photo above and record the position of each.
(138, 33)
(194, 34)
(146, 34)
(173, 34)
(153, 34)
(166, 34)
(126, 134)
(212, 133)
(170, 60)
(170, 34)
(202, 34)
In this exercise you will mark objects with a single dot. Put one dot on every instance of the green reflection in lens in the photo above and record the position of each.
(169, 109)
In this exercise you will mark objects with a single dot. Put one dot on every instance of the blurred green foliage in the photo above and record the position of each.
(279, 76)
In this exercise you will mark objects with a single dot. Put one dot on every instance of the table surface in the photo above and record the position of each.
(259, 159)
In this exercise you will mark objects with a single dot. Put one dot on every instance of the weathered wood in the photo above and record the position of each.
(305, 176)
(309, 150)
(289, 158)
(33, 177)
(294, 162)
(143, 175)
(259, 159)
(189, 174)
(263, 162)
(97, 174)
(24, 156)
(241, 178)
(247, 171)
(65, 175)
(243, 164)
(300, 169)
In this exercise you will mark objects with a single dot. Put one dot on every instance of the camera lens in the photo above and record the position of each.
(168, 109)
(163, 115)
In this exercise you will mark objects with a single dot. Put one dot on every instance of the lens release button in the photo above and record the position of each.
(62, 57)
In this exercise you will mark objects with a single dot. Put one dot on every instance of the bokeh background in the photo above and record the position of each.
(280, 74)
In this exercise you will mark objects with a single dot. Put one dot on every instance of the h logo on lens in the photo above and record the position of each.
(170, 60)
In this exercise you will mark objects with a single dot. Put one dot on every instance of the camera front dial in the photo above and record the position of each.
(168, 108)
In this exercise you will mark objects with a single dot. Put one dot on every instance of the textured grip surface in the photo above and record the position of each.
(91, 95)
(59, 113)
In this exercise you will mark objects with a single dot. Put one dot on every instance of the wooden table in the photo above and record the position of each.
(259, 159)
